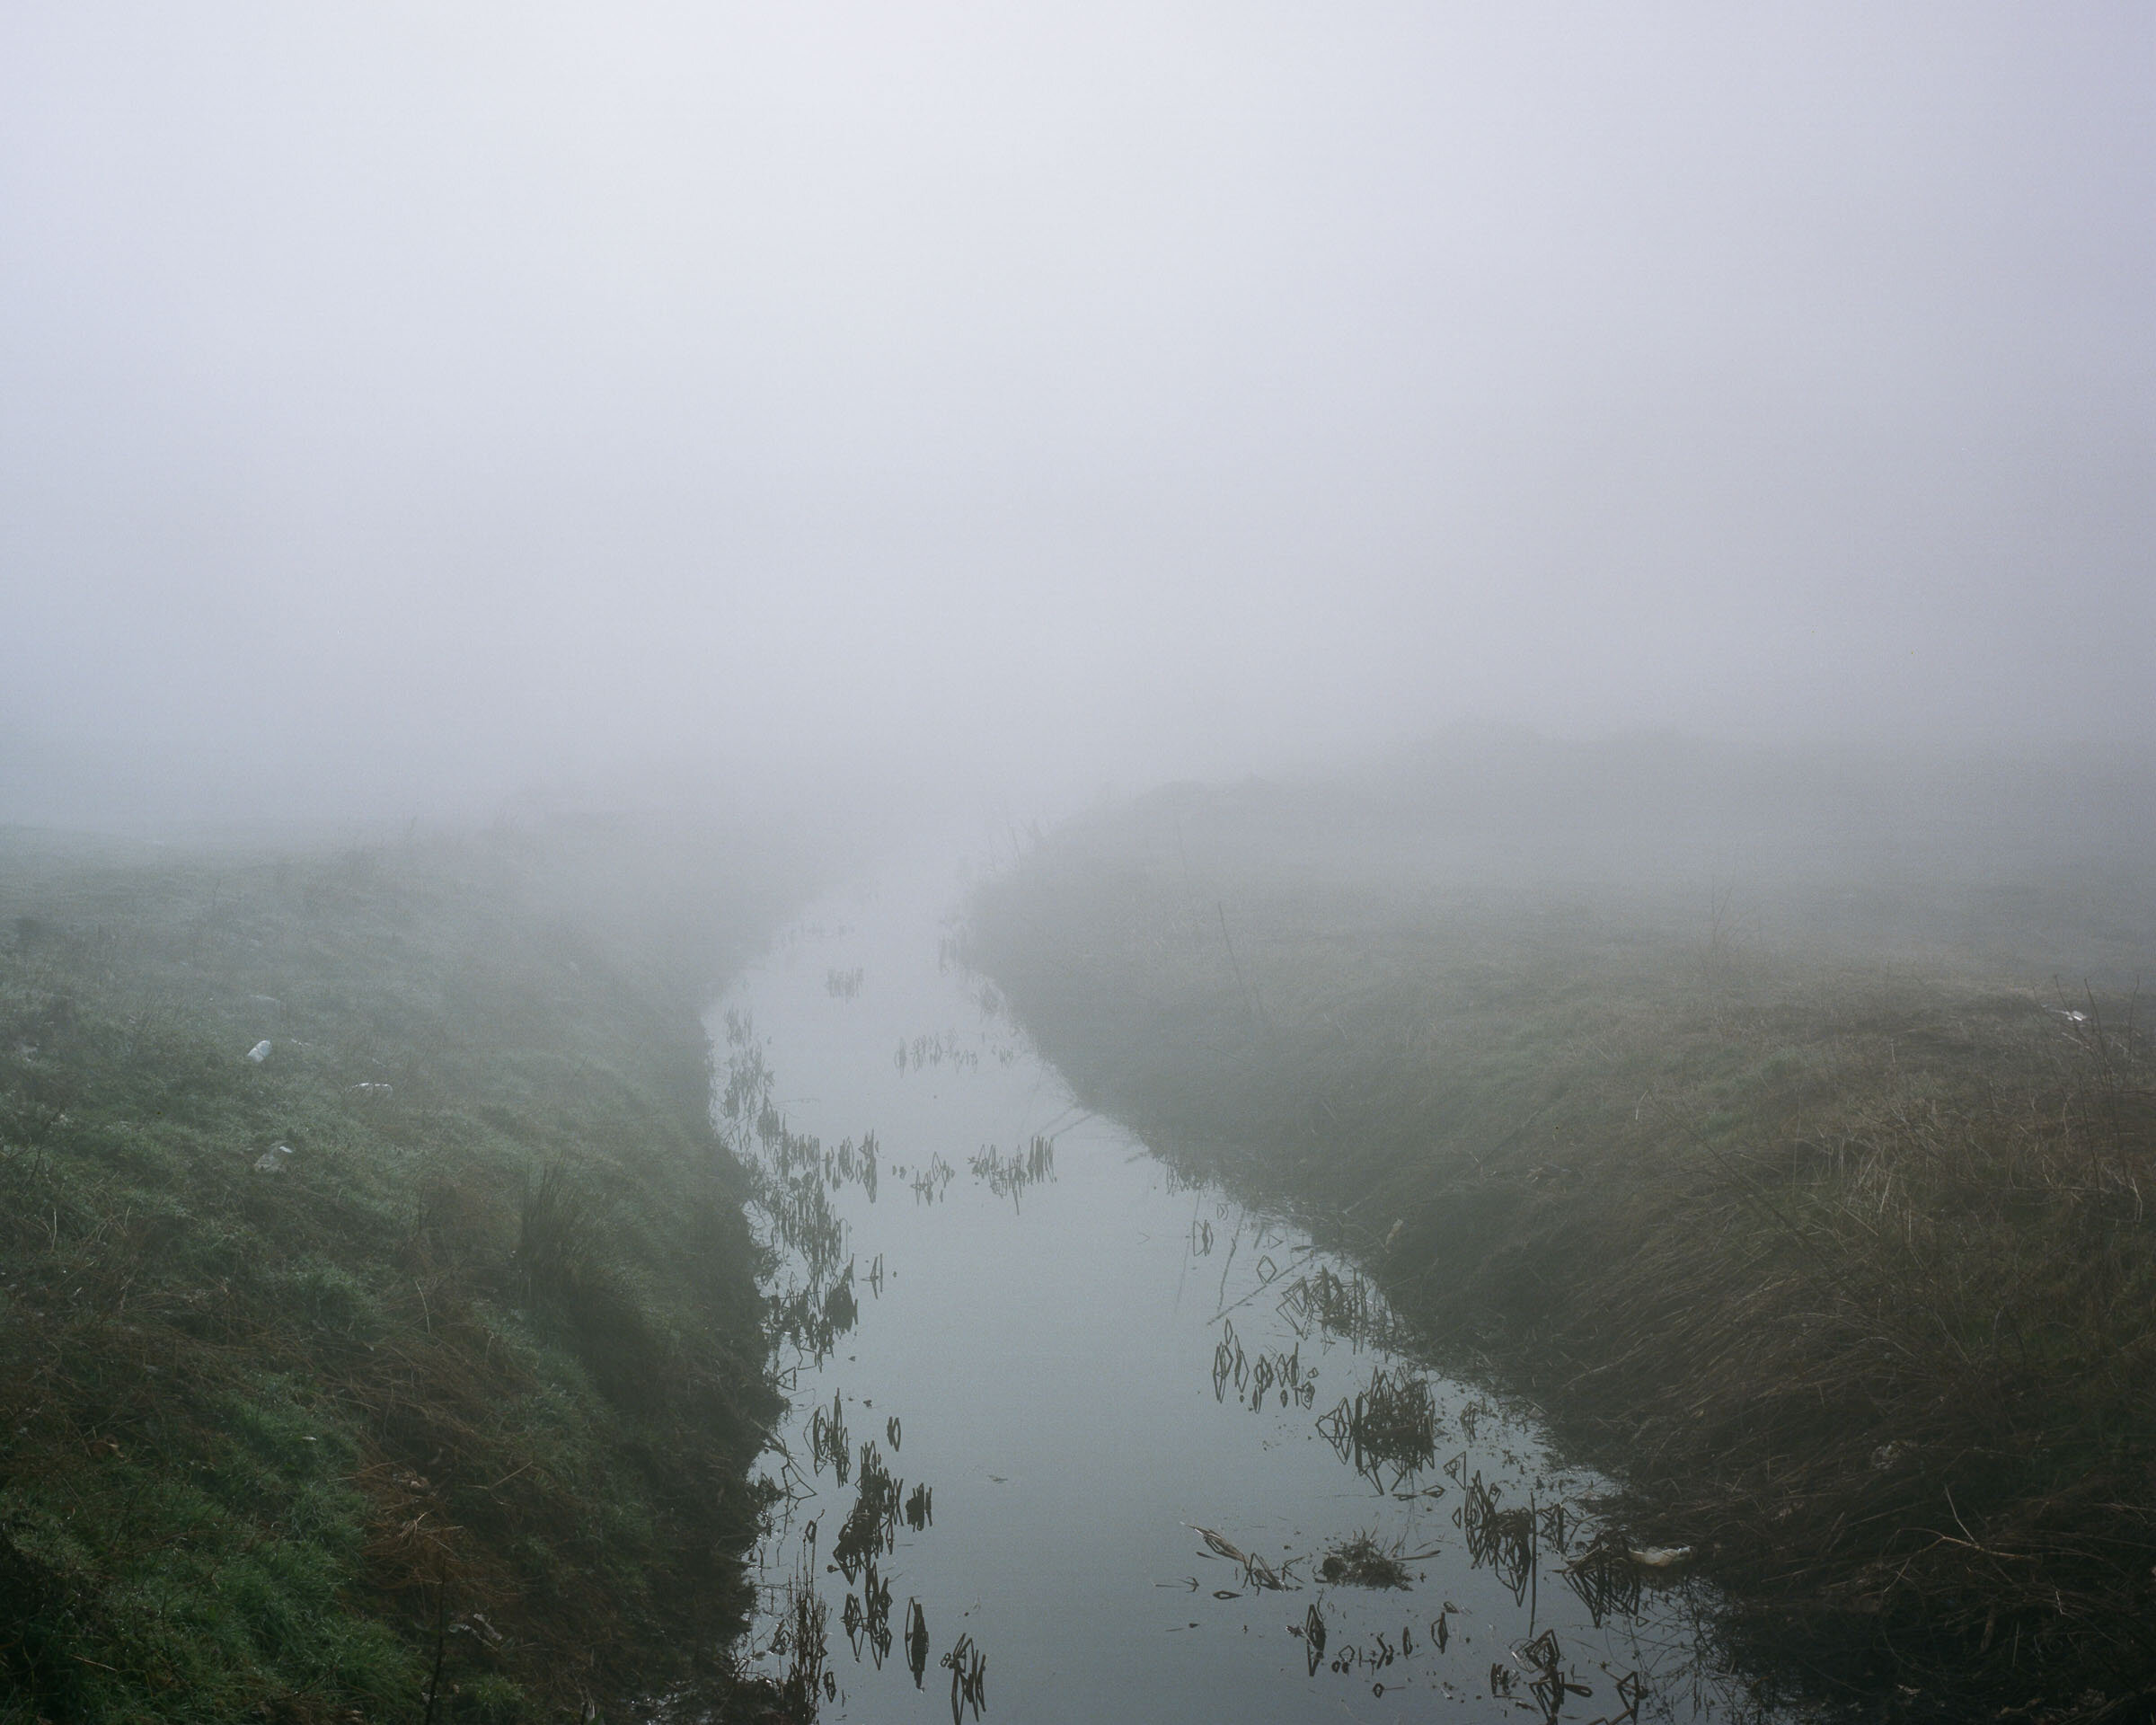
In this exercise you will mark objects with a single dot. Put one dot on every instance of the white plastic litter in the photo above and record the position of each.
(371, 1090)
(260, 1052)
(272, 1162)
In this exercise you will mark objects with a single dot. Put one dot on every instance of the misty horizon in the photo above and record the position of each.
(404, 411)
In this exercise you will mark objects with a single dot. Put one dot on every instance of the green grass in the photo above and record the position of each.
(1846, 1264)
(476, 1376)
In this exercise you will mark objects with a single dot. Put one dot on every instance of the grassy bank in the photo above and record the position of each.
(411, 1370)
(1842, 1253)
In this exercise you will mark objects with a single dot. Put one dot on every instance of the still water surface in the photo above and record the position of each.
(1072, 1439)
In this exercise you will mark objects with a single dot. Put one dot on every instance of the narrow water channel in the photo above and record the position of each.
(1072, 1439)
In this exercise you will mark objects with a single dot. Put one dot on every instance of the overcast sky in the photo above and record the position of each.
(402, 403)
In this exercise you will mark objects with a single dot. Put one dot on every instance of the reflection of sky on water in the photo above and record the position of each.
(1075, 1437)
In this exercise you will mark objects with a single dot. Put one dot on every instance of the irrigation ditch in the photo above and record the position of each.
(1073, 1436)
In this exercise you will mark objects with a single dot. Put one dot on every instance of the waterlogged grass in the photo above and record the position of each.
(445, 1408)
(1847, 1263)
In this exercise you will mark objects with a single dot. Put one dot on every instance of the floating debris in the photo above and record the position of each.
(1365, 1560)
(272, 1162)
(1256, 1571)
(260, 1052)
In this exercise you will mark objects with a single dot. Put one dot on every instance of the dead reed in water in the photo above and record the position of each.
(1256, 1571)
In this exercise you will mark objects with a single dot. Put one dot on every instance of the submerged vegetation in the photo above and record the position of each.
(1841, 1250)
(379, 1334)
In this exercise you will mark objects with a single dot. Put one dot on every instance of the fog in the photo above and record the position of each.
(403, 409)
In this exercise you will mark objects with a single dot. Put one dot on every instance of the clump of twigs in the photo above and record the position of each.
(1363, 1560)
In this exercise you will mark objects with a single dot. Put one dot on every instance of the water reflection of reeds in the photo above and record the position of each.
(916, 1641)
(1505, 1541)
(797, 1180)
(1253, 1379)
(1345, 1307)
(1391, 1425)
(866, 1617)
(968, 1669)
(1009, 1176)
(844, 984)
(931, 1052)
(802, 1640)
(930, 1182)
(871, 1527)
